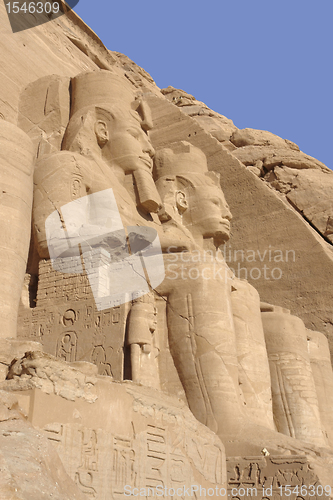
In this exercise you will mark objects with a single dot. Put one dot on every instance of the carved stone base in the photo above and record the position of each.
(129, 435)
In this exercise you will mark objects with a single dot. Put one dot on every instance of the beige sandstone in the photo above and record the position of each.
(322, 373)
(293, 386)
(164, 363)
(30, 466)
(70, 47)
(130, 436)
(260, 216)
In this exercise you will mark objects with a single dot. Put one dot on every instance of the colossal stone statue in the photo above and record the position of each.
(295, 401)
(228, 353)
(140, 356)
(226, 372)
(215, 330)
(105, 139)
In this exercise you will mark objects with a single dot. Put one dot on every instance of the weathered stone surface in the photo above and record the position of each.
(30, 467)
(272, 156)
(252, 137)
(131, 277)
(261, 216)
(130, 436)
(261, 477)
(69, 380)
(321, 367)
(14, 349)
(217, 125)
(297, 185)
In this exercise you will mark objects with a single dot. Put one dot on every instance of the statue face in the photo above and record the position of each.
(208, 213)
(152, 318)
(129, 146)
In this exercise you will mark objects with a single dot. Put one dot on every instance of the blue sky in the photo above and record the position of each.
(264, 64)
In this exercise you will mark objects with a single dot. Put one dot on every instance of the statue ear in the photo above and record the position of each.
(102, 133)
(181, 201)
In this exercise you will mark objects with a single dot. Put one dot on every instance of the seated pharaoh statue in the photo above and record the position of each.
(215, 325)
(106, 139)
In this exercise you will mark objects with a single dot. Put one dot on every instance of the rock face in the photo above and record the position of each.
(165, 310)
(30, 466)
(305, 182)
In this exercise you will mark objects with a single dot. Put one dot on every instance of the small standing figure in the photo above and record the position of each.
(66, 348)
(142, 341)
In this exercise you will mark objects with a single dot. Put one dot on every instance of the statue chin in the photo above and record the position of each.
(221, 237)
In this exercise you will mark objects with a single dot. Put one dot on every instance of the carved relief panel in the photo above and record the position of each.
(69, 326)
(164, 448)
(273, 478)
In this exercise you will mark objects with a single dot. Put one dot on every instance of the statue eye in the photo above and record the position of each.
(134, 133)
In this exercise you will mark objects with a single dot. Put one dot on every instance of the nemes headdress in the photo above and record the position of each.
(106, 95)
(183, 159)
(105, 89)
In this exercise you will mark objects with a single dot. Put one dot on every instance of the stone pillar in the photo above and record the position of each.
(16, 192)
(320, 359)
(295, 402)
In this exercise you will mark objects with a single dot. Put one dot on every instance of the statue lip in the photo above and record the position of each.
(147, 160)
(225, 222)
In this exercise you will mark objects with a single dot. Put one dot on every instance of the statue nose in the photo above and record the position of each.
(226, 213)
(147, 146)
(149, 149)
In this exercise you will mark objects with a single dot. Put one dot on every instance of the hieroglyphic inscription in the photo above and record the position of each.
(78, 449)
(84, 481)
(123, 465)
(55, 433)
(67, 323)
(156, 456)
(66, 346)
(271, 475)
(102, 464)
(89, 450)
(84, 476)
(207, 457)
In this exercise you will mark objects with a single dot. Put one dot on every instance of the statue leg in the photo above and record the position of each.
(295, 402)
(254, 372)
(202, 343)
(321, 366)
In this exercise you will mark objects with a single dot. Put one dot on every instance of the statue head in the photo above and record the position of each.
(205, 212)
(192, 196)
(109, 121)
(123, 142)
